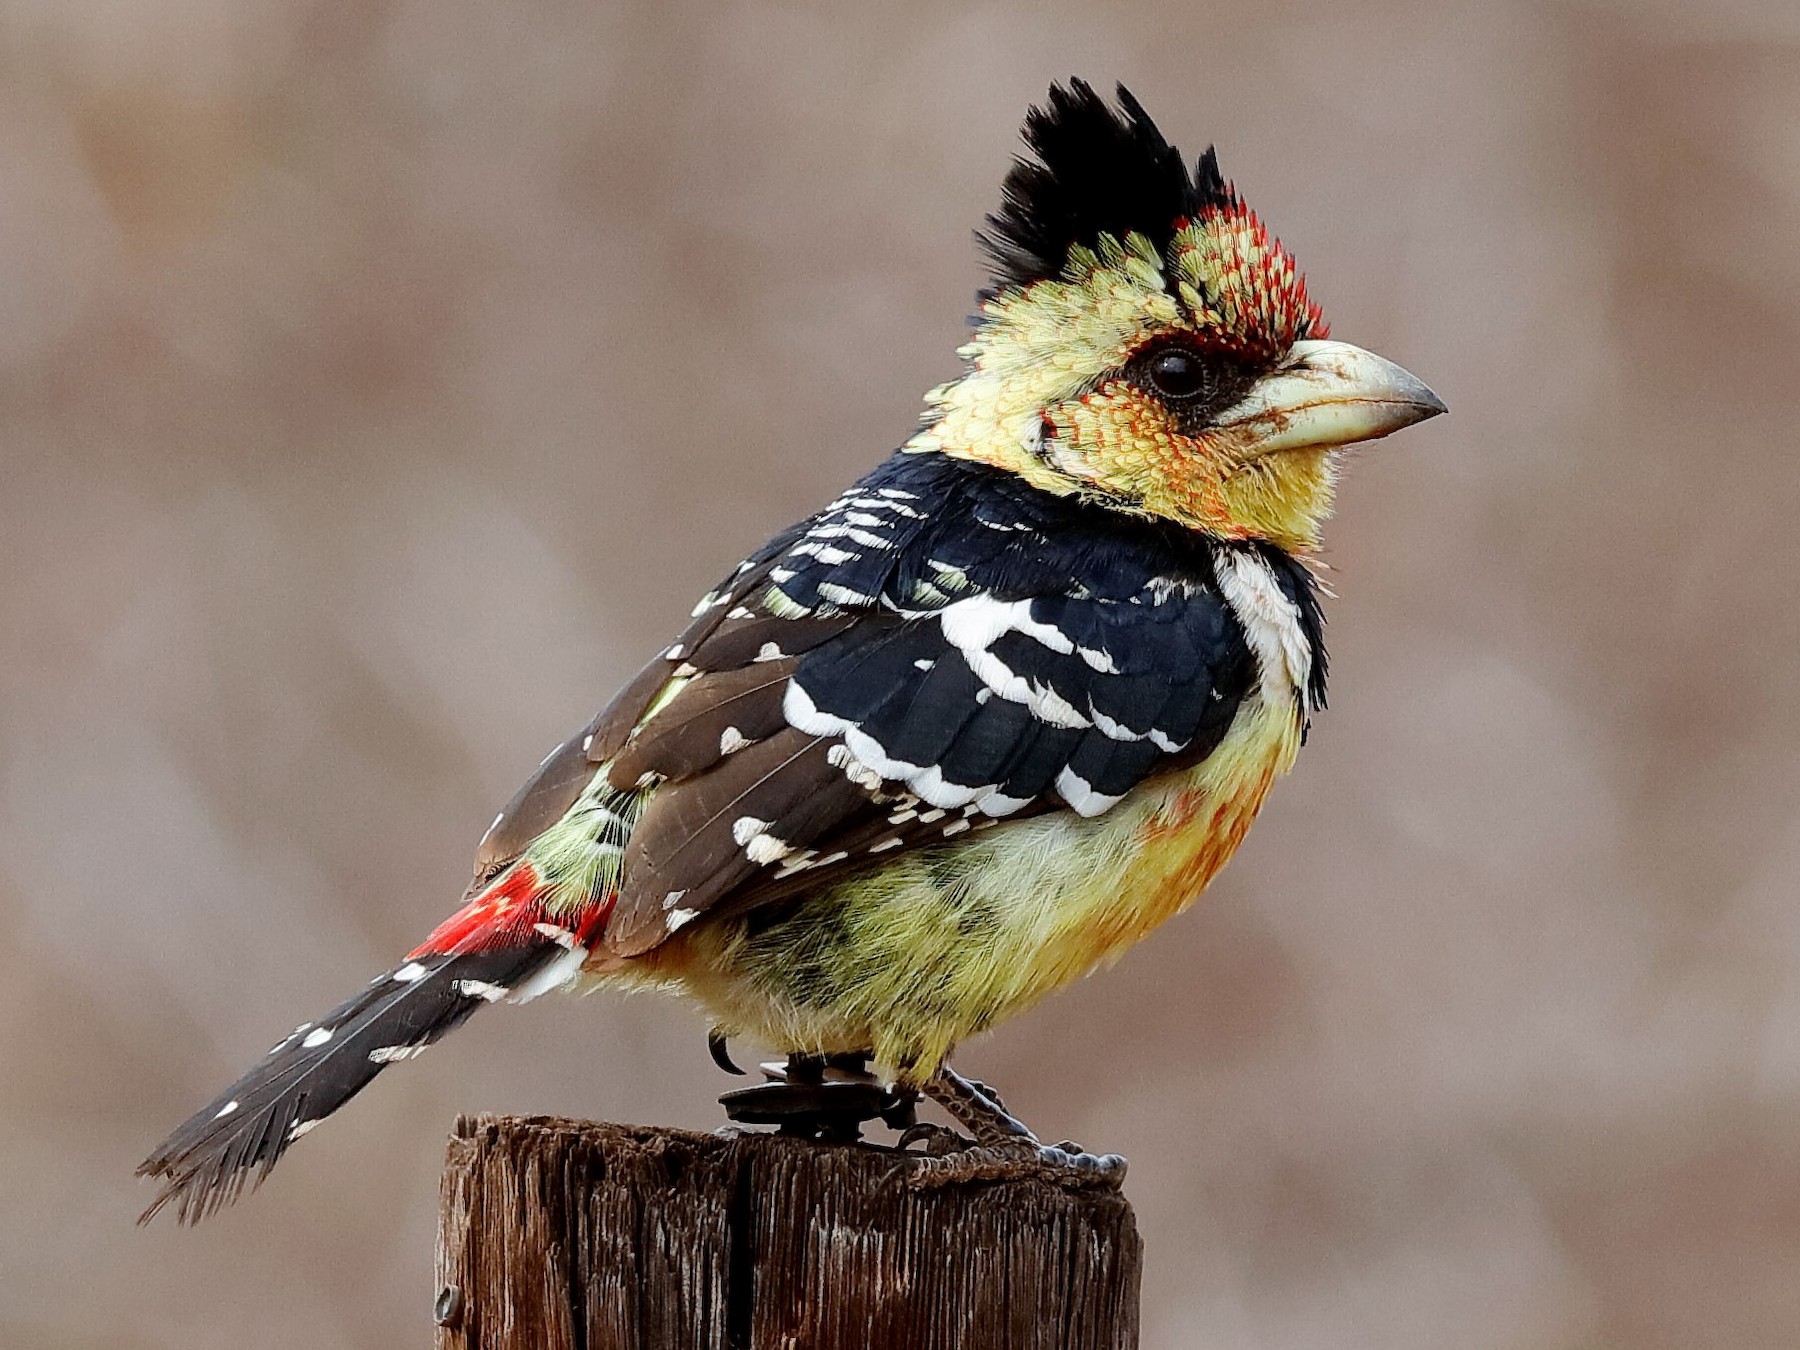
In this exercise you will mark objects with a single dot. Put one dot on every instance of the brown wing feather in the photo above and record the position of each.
(549, 793)
(713, 716)
(738, 792)
(719, 753)
(748, 635)
(699, 839)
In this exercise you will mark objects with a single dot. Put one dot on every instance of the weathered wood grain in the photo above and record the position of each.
(566, 1235)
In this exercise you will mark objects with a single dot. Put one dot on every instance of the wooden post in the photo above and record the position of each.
(566, 1235)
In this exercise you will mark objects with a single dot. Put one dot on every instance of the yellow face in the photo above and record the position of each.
(1192, 383)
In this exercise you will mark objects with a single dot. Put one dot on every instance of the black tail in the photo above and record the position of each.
(237, 1137)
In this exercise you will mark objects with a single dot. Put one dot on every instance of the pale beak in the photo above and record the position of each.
(1326, 394)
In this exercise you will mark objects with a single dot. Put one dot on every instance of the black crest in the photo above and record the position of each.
(1094, 171)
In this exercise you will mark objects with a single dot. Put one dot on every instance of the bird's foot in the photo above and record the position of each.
(1002, 1146)
(824, 1097)
(1016, 1159)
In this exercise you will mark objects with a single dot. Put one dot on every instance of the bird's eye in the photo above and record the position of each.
(1180, 375)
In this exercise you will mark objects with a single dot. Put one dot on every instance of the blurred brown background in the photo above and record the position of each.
(380, 380)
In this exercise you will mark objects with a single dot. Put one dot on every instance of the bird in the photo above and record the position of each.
(1001, 708)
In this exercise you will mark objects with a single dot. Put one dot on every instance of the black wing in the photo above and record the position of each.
(941, 649)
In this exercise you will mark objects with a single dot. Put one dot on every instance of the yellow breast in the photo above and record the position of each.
(1184, 830)
(911, 958)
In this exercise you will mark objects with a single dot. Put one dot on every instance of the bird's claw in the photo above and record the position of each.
(718, 1046)
(939, 1140)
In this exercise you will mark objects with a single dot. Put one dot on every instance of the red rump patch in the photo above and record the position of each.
(511, 913)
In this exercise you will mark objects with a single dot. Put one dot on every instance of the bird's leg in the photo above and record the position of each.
(974, 1107)
(1002, 1141)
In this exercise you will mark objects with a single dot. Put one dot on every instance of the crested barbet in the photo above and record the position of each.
(1002, 707)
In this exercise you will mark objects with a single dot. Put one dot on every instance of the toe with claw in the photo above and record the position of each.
(939, 1141)
(1003, 1147)
(1015, 1160)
